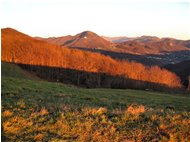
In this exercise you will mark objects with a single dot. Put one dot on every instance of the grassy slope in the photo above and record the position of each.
(77, 114)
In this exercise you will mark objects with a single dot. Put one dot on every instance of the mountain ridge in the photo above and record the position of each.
(141, 45)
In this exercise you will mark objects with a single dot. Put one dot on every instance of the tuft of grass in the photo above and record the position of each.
(43, 111)
(38, 137)
(34, 110)
(85, 125)
(7, 113)
(136, 110)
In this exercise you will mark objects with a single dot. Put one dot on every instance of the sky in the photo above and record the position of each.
(131, 18)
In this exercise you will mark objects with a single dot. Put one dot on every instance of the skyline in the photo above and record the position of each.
(48, 18)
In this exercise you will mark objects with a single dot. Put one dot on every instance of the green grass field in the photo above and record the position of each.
(36, 110)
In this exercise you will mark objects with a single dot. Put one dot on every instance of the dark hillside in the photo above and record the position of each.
(182, 69)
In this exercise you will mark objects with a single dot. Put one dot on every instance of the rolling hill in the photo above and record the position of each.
(56, 40)
(148, 39)
(144, 45)
(147, 50)
(86, 39)
(118, 39)
(23, 49)
(152, 45)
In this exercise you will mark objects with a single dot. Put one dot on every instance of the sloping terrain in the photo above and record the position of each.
(20, 48)
(34, 110)
(116, 39)
(186, 43)
(13, 70)
(85, 39)
(148, 39)
(151, 45)
(182, 69)
(89, 40)
(56, 40)
(144, 45)
(150, 59)
(124, 39)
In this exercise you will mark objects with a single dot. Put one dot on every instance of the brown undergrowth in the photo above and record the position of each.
(135, 123)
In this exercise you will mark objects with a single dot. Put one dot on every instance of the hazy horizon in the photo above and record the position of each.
(111, 18)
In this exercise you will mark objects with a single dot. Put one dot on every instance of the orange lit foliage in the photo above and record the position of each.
(20, 48)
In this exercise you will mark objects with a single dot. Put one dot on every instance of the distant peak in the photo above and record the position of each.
(145, 36)
(87, 34)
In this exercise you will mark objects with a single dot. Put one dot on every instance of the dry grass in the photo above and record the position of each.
(135, 110)
(39, 137)
(7, 113)
(16, 124)
(43, 111)
(98, 124)
(72, 117)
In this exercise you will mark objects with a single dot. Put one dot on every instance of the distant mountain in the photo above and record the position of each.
(121, 39)
(86, 39)
(117, 39)
(56, 40)
(185, 43)
(89, 40)
(152, 45)
(139, 46)
(146, 39)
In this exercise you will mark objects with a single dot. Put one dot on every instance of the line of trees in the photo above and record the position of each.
(89, 79)
(20, 48)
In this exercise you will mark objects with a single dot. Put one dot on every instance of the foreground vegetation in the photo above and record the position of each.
(35, 110)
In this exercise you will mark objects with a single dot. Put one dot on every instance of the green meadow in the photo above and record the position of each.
(36, 110)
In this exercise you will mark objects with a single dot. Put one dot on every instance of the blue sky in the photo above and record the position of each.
(162, 18)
